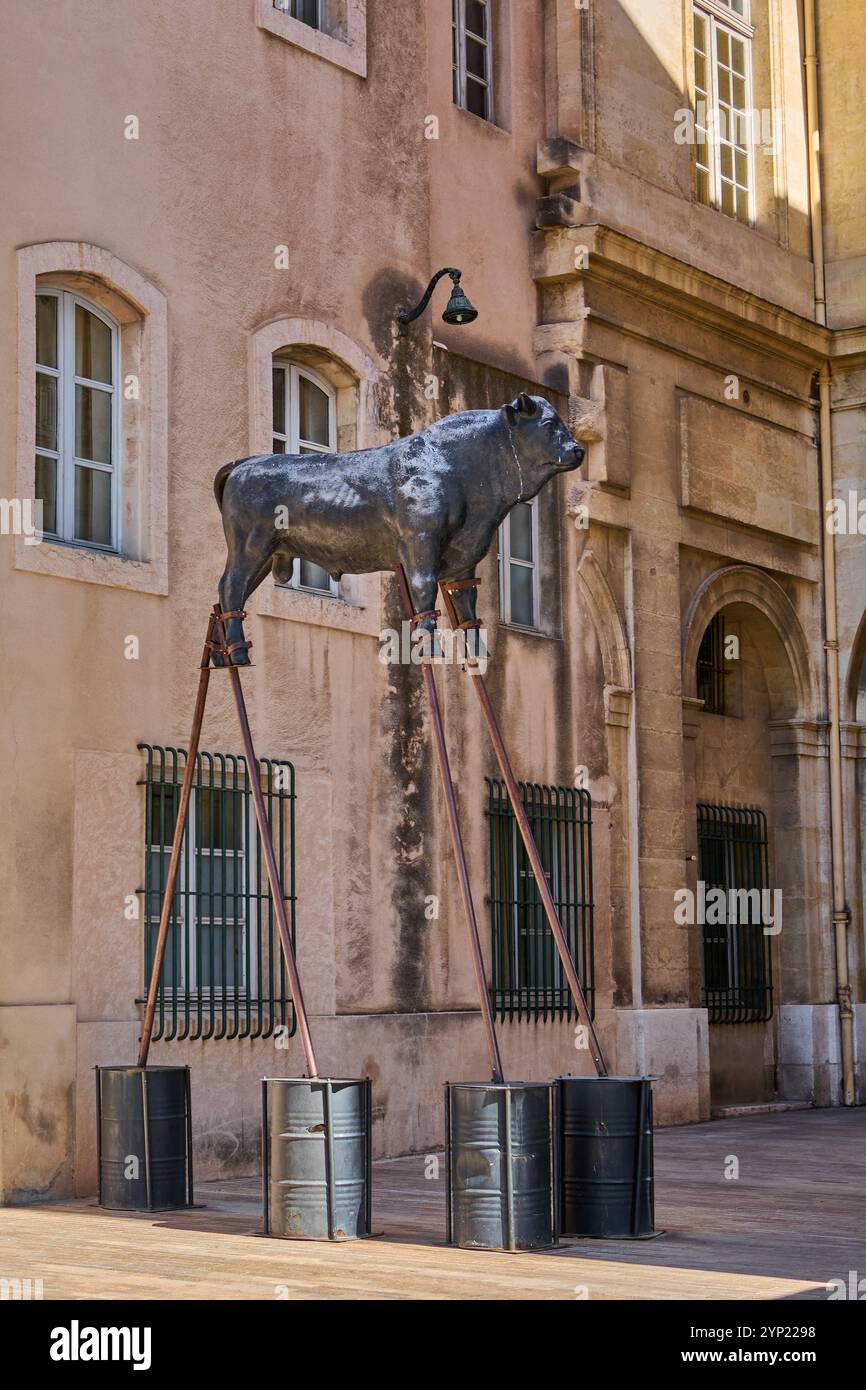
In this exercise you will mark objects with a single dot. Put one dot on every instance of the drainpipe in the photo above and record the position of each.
(841, 912)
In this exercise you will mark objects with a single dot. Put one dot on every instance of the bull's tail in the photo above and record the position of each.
(219, 482)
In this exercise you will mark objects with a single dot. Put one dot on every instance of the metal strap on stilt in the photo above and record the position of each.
(448, 586)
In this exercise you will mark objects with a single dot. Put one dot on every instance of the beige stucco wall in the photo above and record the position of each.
(247, 143)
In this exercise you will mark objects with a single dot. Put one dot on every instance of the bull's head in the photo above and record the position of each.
(539, 434)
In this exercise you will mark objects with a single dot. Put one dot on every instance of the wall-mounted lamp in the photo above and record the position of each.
(457, 310)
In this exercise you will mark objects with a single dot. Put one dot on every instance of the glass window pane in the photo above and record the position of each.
(476, 14)
(739, 93)
(476, 58)
(313, 576)
(92, 424)
(738, 56)
(728, 203)
(219, 819)
(46, 411)
(307, 11)
(313, 413)
(163, 813)
(742, 205)
(46, 330)
(46, 491)
(92, 505)
(279, 446)
(723, 46)
(220, 963)
(726, 155)
(700, 72)
(279, 380)
(724, 85)
(520, 524)
(521, 595)
(703, 185)
(742, 168)
(220, 877)
(476, 98)
(92, 346)
(700, 33)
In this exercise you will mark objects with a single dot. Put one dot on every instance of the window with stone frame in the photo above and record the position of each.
(304, 423)
(77, 420)
(519, 569)
(724, 135)
(472, 56)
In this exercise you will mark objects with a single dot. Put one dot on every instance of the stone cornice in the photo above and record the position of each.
(804, 737)
(658, 278)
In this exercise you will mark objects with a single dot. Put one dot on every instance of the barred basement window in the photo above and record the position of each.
(732, 856)
(711, 669)
(527, 972)
(223, 975)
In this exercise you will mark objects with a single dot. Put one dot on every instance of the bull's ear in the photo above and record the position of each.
(522, 405)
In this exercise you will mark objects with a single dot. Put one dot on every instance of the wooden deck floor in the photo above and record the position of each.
(794, 1219)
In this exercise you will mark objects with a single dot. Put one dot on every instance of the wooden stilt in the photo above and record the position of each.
(532, 854)
(457, 843)
(215, 640)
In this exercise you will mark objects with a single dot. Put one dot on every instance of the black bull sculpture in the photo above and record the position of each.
(431, 502)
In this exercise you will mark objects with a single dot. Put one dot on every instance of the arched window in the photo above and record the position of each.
(77, 419)
(305, 422)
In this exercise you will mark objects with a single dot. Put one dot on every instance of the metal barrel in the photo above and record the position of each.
(500, 1188)
(606, 1156)
(144, 1138)
(316, 1158)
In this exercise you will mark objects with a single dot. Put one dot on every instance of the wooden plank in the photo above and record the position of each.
(793, 1219)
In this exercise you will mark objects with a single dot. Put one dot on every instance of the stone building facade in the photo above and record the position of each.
(217, 211)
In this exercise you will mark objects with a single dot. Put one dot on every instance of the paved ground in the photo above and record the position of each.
(793, 1219)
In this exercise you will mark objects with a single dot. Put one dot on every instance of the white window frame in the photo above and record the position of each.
(65, 456)
(717, 15)
(460, 78)
(506, 560)
(290, 438)
(187, 889)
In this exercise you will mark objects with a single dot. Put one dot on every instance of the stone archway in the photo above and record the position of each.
(769, 752)
(745, 584)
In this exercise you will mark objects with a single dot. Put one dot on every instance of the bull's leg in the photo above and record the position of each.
(465, 602)
(245, 569)
(420, 560)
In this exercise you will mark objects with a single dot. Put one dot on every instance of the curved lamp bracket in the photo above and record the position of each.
(406, 316)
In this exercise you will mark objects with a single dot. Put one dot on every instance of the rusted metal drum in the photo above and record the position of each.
(144, 1138)
(606, 1156)
(500, 1165)
(316, 1158)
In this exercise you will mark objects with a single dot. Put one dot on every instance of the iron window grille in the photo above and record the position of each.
(223, 974)
(527, 973)
(733, 856)
(711, 668)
